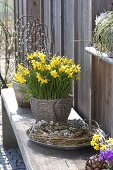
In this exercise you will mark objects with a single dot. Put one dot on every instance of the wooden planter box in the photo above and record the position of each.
(102, 89)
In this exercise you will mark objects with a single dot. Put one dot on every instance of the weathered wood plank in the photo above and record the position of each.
(47, 20)
(56, 26)
(69, 28)
(84, 31)
(33, 8)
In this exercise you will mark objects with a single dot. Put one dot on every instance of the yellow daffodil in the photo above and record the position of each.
(47, 67)
(54, 74)
(68, 71)
(19, 67)
(78, 68)
(62, 68)
(71, 61)
(70, 75)
(30, 57)
(39, 77)
(44, 81)
(35, 55)
(41, 57)
(55, 61)
(25, 72)
(20, 79)
(48, 76)
(78, 78)
(33, 64)
(65, 60)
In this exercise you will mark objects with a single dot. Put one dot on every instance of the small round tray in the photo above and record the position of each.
(79, 146)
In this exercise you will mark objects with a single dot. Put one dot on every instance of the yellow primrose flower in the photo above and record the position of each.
(42, 57)
(103, 147)
(92, 143)
(110, 140)
(95, 137)
(25, 72)
(96, 146)
(20, 79)
(54, 74)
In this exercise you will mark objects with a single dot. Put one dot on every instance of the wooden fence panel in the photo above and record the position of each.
(102, 81)
(16, 10)
(69, 28)
(33, 8)
(20, 8)
(57, 26)
(84, 27)
(52, 18)
(24, 7)
(47, 20)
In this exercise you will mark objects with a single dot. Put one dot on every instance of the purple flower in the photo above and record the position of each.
(106, 155)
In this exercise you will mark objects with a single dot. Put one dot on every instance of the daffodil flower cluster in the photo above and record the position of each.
(48, 78)
(21, 72)
(100, 142)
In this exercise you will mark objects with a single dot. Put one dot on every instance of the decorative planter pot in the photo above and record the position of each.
(56, 110)
(20, 96)
(108, 58)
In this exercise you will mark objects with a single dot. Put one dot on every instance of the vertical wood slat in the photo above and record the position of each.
(52, 18)
(33, 8)
(57, 26)
(20, 8)
(84, 30)
(47, 19)
(69, 28)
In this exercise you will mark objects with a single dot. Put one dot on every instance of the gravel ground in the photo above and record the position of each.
(10, 159)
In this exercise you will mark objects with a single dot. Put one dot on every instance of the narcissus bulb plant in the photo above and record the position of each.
(47, 78)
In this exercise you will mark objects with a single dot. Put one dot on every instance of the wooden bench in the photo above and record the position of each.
(16, 121)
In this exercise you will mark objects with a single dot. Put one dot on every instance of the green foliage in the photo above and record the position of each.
(48, 79)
